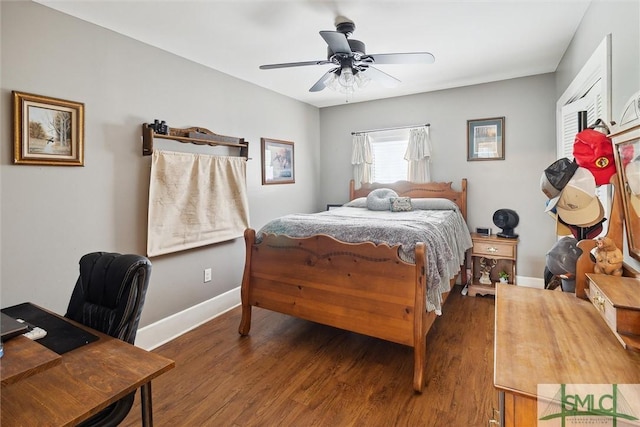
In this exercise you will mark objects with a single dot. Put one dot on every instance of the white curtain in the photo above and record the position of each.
(361, 159)
(418, 155)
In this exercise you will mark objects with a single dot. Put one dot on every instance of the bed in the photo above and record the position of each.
(364, 287)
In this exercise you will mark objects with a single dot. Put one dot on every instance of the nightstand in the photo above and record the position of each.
(502, 251)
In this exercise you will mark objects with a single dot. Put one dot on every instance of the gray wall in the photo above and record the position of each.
(52, 215)
(528, 107)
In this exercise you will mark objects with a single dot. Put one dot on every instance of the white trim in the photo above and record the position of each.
(598, 67)
(162, 331)
(530, 282)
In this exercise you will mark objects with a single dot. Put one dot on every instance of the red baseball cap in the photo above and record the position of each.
(593, 150)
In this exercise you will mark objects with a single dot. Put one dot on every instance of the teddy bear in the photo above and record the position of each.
(608, 257)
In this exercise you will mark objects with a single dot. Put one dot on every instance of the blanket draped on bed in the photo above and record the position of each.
(195, 200)
(444, 233)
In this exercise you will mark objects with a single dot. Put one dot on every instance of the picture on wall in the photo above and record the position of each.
(485, 139)
(277, 162)
(47, 131)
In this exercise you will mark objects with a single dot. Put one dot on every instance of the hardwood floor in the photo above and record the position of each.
(290, 372)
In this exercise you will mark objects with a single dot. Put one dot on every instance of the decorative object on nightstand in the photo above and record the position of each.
(501, 254)
(504, 277)
(485, 270)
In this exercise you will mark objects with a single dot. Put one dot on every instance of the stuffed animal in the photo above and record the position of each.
(608, 257)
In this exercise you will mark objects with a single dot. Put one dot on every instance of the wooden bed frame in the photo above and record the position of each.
(360, 287)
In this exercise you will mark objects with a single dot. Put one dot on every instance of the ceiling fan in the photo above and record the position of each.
(353, 66)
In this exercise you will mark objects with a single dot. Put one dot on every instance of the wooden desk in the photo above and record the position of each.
(27, 358)
(551, 337)
(82, 383)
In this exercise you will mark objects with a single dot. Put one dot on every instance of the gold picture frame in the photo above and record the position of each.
(485, 139)
(47, 131)
(277, 162)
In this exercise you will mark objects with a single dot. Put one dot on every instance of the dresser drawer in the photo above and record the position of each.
(494, 249)
(617, 300)
(603, 305)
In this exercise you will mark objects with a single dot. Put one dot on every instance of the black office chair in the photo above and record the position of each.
(108, 297)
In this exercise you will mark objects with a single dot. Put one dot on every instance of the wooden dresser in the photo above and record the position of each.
(551, 337)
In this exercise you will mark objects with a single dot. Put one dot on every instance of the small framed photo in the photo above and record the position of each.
(47, 131)
(277, 162)
(485, 139)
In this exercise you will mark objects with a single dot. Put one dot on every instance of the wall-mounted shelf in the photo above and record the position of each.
(192, 135)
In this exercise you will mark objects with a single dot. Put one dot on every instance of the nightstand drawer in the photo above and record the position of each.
(493, 249)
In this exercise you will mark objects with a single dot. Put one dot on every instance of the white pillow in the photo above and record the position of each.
(380, 199)
(360, 202)
(434, 204)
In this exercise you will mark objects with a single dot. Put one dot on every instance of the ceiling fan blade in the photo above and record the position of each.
(337, 41)
(402, 58)
(294, 64)
(381, 77)
(322, 82)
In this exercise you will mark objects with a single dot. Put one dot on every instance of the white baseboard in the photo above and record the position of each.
(162, 331)
(530, 282)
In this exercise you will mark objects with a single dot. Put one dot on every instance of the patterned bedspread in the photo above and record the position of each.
(444, 233)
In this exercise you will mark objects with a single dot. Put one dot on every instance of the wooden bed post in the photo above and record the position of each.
(463, 197)
(419, 332)
(245, 323)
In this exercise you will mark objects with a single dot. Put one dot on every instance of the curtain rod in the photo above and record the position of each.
(393, 128)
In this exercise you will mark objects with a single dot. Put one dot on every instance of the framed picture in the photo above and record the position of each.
(277, 162)
(47, 131)
(485, 139)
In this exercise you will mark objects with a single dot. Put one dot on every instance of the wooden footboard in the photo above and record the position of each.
(363, 288)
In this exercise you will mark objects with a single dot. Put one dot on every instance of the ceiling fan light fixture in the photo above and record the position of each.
(362, 79)
(346, 77)
(346, 81)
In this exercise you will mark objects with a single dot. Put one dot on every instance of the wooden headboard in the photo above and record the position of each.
(417, 190)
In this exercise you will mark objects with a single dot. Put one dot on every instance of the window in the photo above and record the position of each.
(389, 164)
(388, 150)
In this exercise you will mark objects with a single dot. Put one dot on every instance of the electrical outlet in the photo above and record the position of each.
(207, 275)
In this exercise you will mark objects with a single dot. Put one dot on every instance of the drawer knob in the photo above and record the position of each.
(492, 249)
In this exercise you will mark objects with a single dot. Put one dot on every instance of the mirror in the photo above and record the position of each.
(626, 141)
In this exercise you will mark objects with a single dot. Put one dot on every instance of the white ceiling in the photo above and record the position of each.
(473, 41)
